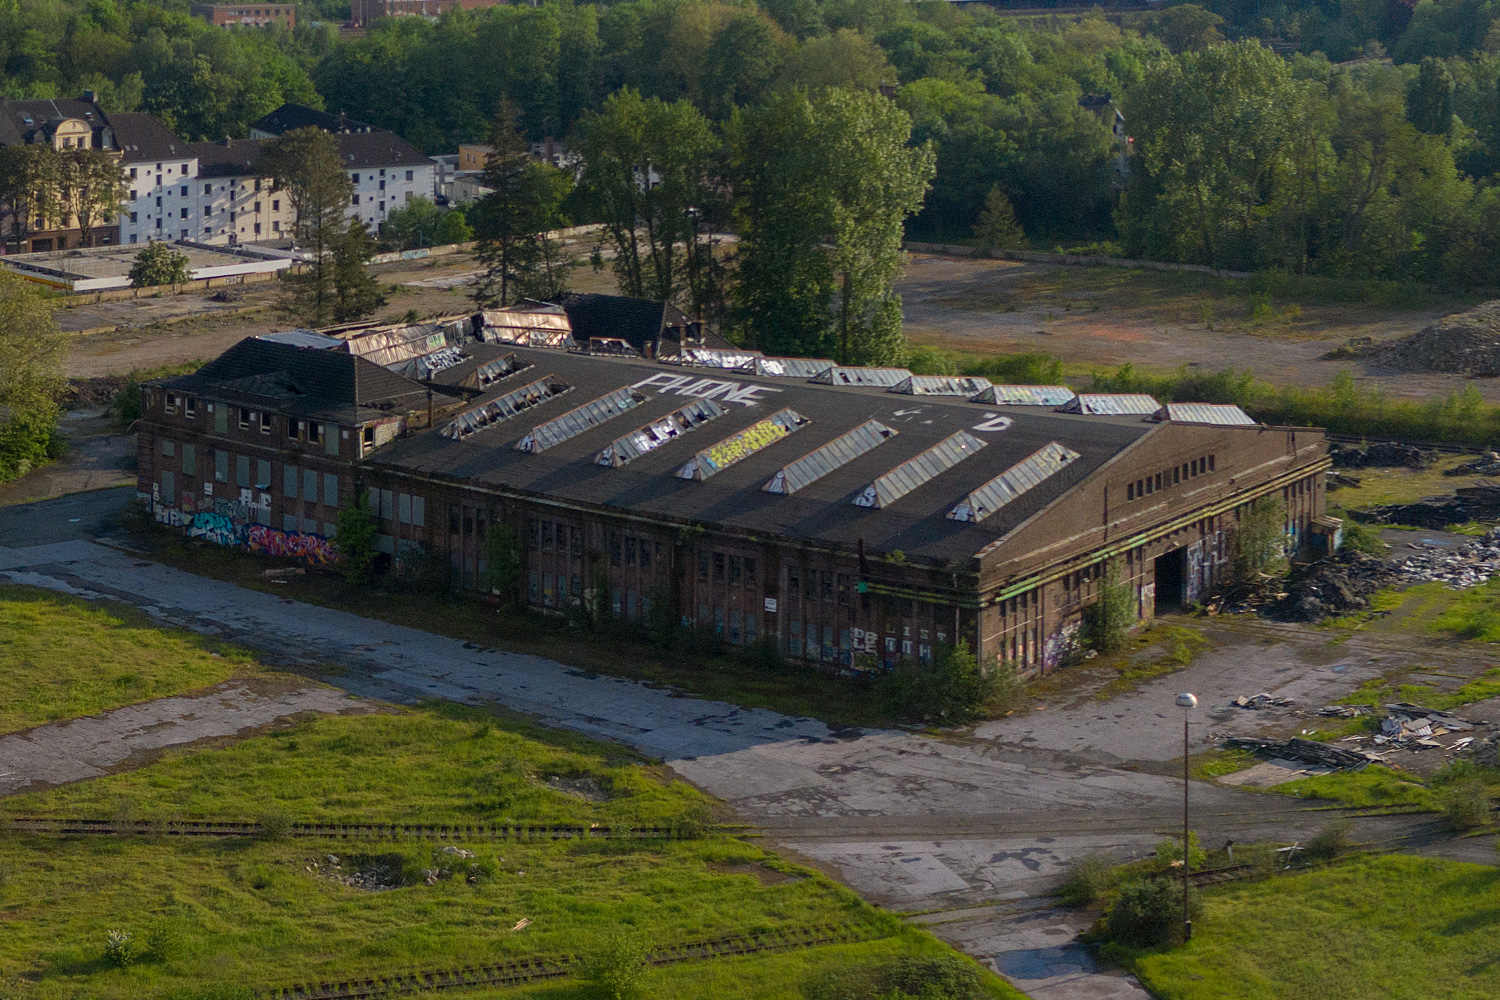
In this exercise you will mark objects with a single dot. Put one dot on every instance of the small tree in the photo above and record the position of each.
(356, 293)
(997, 228)
(305, 164)
(1148, 914)
(1260, 539)
(414, 224)
(1107, 622)
(355, 539)
(158, 264)
(616, 967)
(453, 227)
(502, 556)
(950, 689)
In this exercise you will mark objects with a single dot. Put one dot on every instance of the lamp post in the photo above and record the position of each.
(1187, 702)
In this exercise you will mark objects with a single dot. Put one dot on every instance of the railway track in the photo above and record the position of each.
(63, 826)
(539, 968)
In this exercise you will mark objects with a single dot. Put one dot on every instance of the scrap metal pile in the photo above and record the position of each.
(1479, 502)
(1381, 454)
(1468, 565)
(1404, 729)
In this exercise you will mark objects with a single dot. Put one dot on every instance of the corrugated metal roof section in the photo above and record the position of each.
(427, 365)
(1025, 395)
(491, 372)
(839, 452)
(584, 418)
(390, 347)
(1014, 481)
(658, 432)
(533, 328)
(709, 357)
(497, 411)
(941, 385)
(803, 368)
(747, 442)
(913, 473)
(883, 378)
(303, 338)
(1110, 404)
(1205, 413)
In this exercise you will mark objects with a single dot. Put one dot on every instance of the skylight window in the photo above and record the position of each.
(1025, 475)
(659, 432)
(837, 453)
(707, 357)
(911, 474)
(491, 372)
(882, 377)
(497, 411)
(804, 368)
(756, 437)
(1025, 395)
(941, 385)
(584, 418)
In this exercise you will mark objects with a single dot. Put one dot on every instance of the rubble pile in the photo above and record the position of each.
(1487, 464)
(1484, 751)
(370, 874)
(1466, 343)
(1261, 701)
(1417, 729)
(1468, 565)
(1337, 585)
(1381, 455)
(1309, 753)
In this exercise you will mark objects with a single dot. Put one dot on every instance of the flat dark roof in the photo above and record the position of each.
(917, 523)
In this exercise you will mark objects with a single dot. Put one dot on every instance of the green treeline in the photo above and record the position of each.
(1372, 148)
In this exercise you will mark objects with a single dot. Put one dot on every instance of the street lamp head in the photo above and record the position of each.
(1186, 700)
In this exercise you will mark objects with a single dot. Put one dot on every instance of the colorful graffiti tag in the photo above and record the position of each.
(216, 528)
(270, 542)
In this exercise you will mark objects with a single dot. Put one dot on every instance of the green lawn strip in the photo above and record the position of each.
(439, 763)
(1373, 787)
(1179, 647)
(1474, 614)
(250, 911)
(1384, 928)
(62, 657)
(756, 977)
(615, 650)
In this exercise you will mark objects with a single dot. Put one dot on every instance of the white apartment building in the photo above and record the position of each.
(213, 192)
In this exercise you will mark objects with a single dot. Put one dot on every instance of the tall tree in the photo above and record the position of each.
(356, 293)
(647, 166)
(1429, 99)
(92, 188)
(29, 186)
(524, 203)
(305, 164)
(31, 376)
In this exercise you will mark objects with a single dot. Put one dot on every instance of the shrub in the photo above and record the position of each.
(947, 977)
(355, 538)
(119, 949)
(1169, 851)
(274, 825)
(159, 264)
(1089, 878)
(164, 940)
(1148, 914)
(1260, 540)
(1329, 842)
(1107, 622)
(616, 968)
(1466, 805)
(950, 689)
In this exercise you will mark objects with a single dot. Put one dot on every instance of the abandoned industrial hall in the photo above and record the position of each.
(852, 517)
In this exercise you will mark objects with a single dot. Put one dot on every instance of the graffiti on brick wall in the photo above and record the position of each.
(216, 528)
(1060, 647)
(232, 509)
(293, 544)
(172, 517)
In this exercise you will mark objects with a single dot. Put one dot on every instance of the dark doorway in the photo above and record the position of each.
(1171, 574)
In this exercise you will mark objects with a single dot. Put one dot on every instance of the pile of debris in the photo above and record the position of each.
(1469, 565)
(1480, 502)
(375, 874)
(1338, 585)
(1415, 729)
(1261, 701)
(1381, 455)
(1465, 343)
(1487, 464)
(1309, 753)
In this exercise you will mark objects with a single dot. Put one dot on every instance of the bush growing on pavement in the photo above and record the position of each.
(1329, 842)
(950, 689)
(1089, 878)
(1169, 851)
(1107, 622)
(1148, 913)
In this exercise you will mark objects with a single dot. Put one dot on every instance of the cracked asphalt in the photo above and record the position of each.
(980, 828)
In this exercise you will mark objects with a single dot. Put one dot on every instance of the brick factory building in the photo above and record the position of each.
(852, 517)
(254, 15)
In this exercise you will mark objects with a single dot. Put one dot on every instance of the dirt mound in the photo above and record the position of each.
(1381, 455)
(1465, 343)
(1335, 586)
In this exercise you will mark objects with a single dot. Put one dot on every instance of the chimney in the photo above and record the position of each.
(226, 141)
(92, 96)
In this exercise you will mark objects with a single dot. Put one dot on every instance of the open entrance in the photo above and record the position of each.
(1171, 577)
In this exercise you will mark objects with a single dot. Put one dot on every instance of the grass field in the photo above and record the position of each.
(442, 763)
(62, 657)
(1388, 928)
(267, 911)
(1382, 486)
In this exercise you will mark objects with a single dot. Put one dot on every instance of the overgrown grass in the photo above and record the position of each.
(1351, 931)
(1373, 787)
(62, 657)
(440, 763)
(1474, 614)
(1176, 648)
